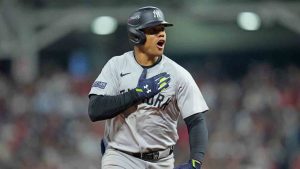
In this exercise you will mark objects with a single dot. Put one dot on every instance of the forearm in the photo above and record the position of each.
(106, 107)
(198, 135)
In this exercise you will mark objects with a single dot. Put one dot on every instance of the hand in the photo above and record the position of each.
(148, 88)
(192, 164)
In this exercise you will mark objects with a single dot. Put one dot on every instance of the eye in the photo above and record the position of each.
(154, 30)
(162, 28)
(149, 31)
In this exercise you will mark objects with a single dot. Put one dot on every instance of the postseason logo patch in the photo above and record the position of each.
(99, 84)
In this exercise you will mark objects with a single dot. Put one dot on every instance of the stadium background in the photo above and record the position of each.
(250, 79)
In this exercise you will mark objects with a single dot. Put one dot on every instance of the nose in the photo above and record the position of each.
(161, 34)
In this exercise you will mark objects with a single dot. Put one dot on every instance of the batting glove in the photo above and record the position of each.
(192, 164)
(148, 88)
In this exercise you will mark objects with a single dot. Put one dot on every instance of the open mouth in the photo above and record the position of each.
(160, 44)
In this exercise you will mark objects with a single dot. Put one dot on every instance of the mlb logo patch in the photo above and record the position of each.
(99, 84)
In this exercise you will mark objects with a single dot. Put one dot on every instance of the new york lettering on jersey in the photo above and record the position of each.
(159, 101)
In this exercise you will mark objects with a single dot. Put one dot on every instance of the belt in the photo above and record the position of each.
(151, 156)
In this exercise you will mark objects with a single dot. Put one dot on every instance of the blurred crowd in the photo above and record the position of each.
(253, 121)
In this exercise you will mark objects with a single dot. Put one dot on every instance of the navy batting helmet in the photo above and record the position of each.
(142, 18)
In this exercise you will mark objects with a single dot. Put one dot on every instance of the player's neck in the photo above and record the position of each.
(144, 59)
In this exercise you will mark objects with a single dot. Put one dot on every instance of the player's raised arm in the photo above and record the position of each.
(102, 107)
(105, 107)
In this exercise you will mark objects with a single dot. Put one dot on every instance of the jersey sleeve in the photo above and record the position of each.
(107, 81)
(189, 97)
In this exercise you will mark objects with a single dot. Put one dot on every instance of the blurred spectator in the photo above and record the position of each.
(253, 122)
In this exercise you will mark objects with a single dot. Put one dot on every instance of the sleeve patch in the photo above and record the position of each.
(99, 84)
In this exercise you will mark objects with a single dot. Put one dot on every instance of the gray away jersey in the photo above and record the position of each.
(152, 124)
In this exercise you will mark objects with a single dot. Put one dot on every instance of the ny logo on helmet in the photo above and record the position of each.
(157, 14)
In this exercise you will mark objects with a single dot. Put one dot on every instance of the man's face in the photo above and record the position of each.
(155, 40)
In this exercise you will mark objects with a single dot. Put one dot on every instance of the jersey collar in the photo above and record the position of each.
(156, 63)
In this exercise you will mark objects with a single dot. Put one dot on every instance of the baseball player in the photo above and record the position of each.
(141, 95)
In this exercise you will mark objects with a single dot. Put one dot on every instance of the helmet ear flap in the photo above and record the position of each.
(136, 37)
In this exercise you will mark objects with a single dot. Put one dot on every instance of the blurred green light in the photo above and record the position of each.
(249, 21)
(104, 25)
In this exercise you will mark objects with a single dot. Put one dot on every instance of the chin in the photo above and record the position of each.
(159, 53)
